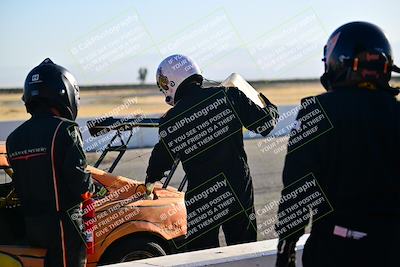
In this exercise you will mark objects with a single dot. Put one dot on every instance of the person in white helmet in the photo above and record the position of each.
(204, 130)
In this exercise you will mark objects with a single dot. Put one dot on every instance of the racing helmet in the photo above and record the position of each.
(357, 54)
(172, 72)
(52, 85)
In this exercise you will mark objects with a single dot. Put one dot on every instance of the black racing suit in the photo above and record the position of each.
(354, 157)
(218, 156)
(49, 165)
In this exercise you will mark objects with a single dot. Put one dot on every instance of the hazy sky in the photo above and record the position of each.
(105, 42)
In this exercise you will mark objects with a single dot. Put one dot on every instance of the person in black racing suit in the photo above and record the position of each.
(219, 159)
(353, 156)
(49, 163)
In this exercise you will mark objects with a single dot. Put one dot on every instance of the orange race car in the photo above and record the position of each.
(127, 227)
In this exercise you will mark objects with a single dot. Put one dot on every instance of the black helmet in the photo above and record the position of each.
(52, 85)
(357, 54)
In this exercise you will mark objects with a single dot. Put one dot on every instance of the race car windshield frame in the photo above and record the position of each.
(118, 144)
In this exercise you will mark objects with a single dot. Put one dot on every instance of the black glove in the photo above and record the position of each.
(286, 256)
(265, 100)
(271, 108)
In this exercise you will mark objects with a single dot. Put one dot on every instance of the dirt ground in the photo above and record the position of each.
(150, 101)
(146, 101)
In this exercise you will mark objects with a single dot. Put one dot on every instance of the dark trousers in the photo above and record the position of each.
(65, 247)
(332, 251)
(239, 229)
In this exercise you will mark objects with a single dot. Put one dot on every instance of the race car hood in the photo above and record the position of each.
(121, 187)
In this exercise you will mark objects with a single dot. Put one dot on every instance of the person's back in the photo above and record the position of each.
(226, 152)
(360, 168)
(44, 140)
(220, 149)
(347, 140)
(356, 166)
(48, 161)
(203, 130)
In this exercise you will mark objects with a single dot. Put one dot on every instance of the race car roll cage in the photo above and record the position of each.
(119, 125)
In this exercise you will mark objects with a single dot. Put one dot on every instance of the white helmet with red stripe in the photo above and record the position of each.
(172, 72)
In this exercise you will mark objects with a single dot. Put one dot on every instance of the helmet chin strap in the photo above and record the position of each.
(326, 84)
(168, 100)
(325, 81)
